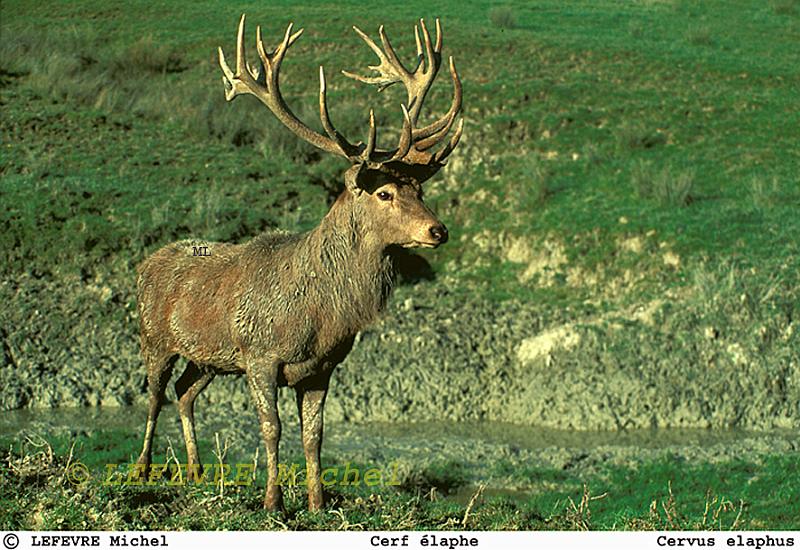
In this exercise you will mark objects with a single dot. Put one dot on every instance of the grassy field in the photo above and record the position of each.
(680, 119)
(628, 173)
(64, 483)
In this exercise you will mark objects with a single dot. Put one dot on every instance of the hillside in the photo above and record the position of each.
(623, 207)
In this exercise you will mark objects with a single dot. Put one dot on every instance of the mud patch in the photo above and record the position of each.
(544, 263)
(650, 365)
(540, 346)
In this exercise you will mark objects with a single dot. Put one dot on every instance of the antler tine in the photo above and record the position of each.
(241, 60)
(420, 81)
(236, 83)
(429, 52)
(227, 76)
(441, 155)
(370, 138)
(406, 140)
(419, 44)
(349, 149)
(394, 61)
(272, 61)
(430, 135)
(438, 47)
(280, 51)
(260, 47)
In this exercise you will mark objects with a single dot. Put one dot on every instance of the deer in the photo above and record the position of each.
(284, 309)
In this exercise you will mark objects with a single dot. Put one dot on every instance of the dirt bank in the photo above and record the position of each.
(666, 363)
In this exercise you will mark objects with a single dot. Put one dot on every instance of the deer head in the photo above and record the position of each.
(387, 183)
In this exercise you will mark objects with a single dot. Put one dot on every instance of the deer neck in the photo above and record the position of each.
(357, 266)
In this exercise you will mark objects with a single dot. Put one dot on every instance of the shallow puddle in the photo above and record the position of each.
(477, 447)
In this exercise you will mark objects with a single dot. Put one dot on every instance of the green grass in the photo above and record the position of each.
(579, 125)
(44, 493)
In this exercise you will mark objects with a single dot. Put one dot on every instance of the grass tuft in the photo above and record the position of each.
(700, 36)
(663, 185)
(503, 17)
(785, 7)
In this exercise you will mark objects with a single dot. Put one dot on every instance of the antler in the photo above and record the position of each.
(414, 142)
(417, 83)
(263, 83)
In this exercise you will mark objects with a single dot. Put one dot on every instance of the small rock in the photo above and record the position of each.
(671, 259)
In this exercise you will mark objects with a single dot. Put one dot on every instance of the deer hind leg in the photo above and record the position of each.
(159, 369)
(262, 377)
(310, 402)
(187, 388)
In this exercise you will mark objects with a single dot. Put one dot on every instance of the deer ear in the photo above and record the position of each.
(353, 178)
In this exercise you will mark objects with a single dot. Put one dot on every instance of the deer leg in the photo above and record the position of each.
(310, 402)
(159, 369)
(188, 387)
(262, 377)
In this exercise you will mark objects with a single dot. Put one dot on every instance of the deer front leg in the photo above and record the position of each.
(187, 388)
(310, 402)
(159, 369)
(262, 377)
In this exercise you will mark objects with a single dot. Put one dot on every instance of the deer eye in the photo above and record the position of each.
(384, 195)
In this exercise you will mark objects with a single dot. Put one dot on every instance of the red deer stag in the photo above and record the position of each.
(284, 309)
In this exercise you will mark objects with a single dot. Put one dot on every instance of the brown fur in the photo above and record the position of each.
(282, 309)
(285, 309)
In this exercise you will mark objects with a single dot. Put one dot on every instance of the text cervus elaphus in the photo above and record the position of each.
(284, 309)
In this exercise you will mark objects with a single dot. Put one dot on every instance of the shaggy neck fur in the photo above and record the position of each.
(355, 265)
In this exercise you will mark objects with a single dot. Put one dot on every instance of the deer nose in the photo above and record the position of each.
(439, 233)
